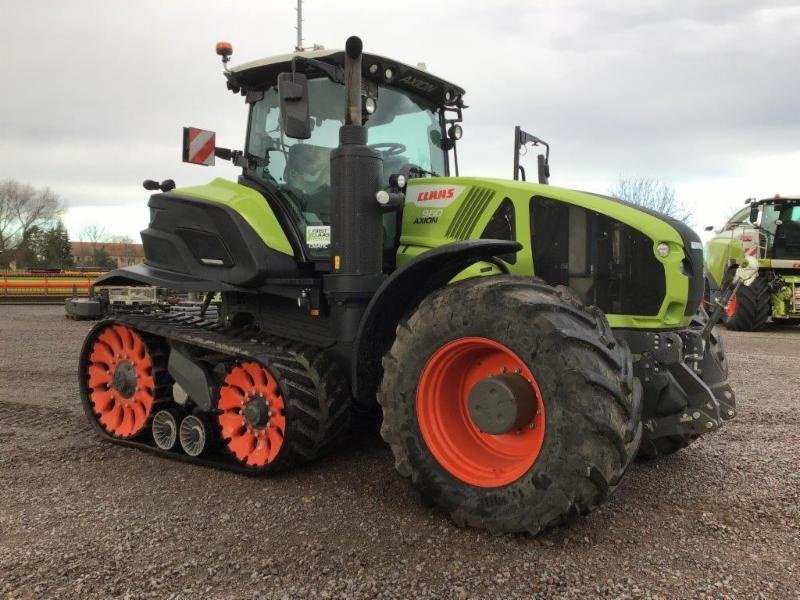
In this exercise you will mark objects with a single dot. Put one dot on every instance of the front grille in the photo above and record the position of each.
(472, 208)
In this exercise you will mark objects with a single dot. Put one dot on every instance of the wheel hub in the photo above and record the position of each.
(124, 379)
(469, 399)
(256, 412)
(252, 414)
(501, 403)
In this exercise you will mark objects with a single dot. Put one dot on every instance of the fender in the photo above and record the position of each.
(145, 274)
(400, 294)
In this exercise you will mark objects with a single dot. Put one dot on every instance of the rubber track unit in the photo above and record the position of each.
(663, 446)
(592, 401)
(314, 389)
(753, 307)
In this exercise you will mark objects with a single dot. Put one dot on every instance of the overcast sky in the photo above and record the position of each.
(701, 95)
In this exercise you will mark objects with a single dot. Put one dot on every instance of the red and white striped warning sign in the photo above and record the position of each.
(198, 146)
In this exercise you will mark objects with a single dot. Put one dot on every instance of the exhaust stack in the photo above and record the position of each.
(356, 217)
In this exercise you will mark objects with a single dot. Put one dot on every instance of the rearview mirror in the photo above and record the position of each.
(293, 92)
(544, 168)
(198, 146)
(753, 213)
(709, 228)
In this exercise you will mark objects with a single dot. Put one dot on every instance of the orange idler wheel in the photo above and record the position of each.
(730, 308)
(449, 424)
(252, 415)
(119, 381)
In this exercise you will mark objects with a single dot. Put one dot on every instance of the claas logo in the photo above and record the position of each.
(442, 194)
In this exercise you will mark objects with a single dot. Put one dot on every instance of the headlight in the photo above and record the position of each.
(370, 105)
(663, 250)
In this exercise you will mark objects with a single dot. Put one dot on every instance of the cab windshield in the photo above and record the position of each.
(404, 128)
(781, 222)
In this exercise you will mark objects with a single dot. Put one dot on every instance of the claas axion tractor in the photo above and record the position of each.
(520, 342)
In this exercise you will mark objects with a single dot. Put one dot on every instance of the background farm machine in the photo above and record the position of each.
(768, 231)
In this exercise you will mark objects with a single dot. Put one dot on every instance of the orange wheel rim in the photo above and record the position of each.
(461, 448)
(252, 415)
(730, 308)
(120, 381)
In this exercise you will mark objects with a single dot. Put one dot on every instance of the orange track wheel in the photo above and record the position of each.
(252, 416)
(730, 308)
(119, 381)
(447, 422)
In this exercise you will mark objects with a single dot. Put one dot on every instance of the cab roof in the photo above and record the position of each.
(263, 73)
(776, 199)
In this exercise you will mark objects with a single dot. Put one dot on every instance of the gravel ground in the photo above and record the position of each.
(83, 518)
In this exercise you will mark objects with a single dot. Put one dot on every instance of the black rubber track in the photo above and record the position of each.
(753, 307)
(315, 391)
(592, 402)
(318, 404)
(663, 446)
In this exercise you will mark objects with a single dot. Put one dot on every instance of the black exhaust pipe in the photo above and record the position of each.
(356, 216)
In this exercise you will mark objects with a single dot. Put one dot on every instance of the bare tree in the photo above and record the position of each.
(126, 249)
(98, 237)
(94, 234)
(651, 193)
(23, 207)
(121, 239)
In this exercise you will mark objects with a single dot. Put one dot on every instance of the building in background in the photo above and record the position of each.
(103, 254)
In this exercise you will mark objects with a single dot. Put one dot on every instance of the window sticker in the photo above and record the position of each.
(318, 236)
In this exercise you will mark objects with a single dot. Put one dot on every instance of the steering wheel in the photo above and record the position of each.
(389, 148)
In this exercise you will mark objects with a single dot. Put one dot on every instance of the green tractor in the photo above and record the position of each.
(768, 231)
(521, 342)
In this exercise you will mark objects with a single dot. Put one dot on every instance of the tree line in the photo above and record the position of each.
(32, 234)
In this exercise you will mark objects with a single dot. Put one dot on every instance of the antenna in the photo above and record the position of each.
(299, 27)
(299, 46)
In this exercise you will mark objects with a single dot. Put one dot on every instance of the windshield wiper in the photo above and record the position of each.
(419, 171)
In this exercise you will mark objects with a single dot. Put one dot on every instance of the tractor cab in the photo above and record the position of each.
(779, 225)
(766, 229)
(409, 115)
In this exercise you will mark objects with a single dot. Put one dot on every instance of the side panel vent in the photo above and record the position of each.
(472, 208)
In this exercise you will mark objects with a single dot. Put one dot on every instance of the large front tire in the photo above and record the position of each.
(572, 448)
(750, 308)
